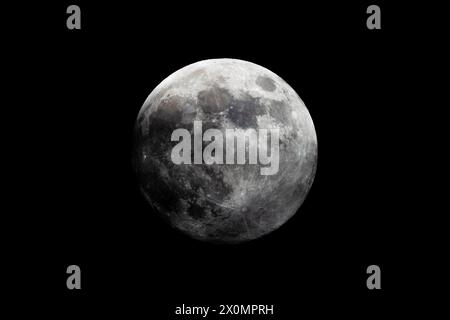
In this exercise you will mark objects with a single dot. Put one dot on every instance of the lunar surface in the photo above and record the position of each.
(224, 203)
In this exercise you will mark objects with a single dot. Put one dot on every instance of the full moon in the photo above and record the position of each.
(225, 201)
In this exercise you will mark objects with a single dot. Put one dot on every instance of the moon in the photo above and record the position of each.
(224, 203)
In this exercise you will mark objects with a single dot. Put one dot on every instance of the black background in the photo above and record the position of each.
(82, 204)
